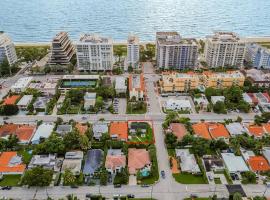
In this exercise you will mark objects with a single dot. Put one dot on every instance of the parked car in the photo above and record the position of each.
(193, 196)
(6, 188)
(130, 196)
(163, 174)
(145, 185)
(88, 195)
(117, 185)
(74, 186)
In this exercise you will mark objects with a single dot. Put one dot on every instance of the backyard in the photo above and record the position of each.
(186, 178)
(143, 133)
(136, 107)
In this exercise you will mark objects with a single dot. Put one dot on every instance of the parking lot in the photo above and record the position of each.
(120, 105)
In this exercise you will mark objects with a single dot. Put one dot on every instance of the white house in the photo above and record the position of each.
(173, 104)
(120, 85)
(24, 102)
(89, 100)
(234, 163)
(43, 131)
(187, 161)
(21, 85)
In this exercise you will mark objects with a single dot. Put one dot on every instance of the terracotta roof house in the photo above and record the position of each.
(266, 128)
(119, 130)
(138, 159)
(179, 130)
(258, 164)
(201, 130)
(81, 128)
(23, 132)
(11, 100)
(11, 163)
(115, 161)
(255, 130)
(218, 130)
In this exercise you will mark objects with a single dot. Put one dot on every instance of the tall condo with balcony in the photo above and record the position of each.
(133, 51)
(259, 56)
(62, 50)
(94, 53)
(7, 49)
(175, 52)
(224, 49)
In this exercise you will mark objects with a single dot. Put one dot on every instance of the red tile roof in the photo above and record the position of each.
(266, 128)
(81, 128)
(179, 130)
(23, 132)
(218, 130)
(201, 130)
(137, 159)
(11, 100)
(120, 129)
(258, 163)
(256, 130)
(7, 167)
(115, 161)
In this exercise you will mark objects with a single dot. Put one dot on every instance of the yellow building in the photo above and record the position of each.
(178, 82)
(183, 82)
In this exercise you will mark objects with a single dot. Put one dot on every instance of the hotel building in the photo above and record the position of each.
(133, 51)
(94, 53)
(175, 52)
(7, 49)
(224, 49)
(259, 56)
(62, 50)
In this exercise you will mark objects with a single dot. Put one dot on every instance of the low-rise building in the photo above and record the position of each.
(100, 128)
(215, 99)
(234, 163)
(136, 86)
(89, 100)
(179, 130)
(266, 153)
(82, 128)
(48, 87)
(187, 161)
(46, 161)
(93, 161)
(24, 102)
(21, 85)
(201, 102)
(43, 131)
(138, 159)
(236, 128)
(255, 130)
(115, 161)
(63, 129)
(41, 103)
(258, 77)
(73, 162)
(11, 163)
(119, 130)
(11, 100)
(213, 163)
(120, 85)
(178, 105)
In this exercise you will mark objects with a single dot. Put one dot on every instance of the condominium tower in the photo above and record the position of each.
(224, 49)
(133, 51)
(259, 56)
(94, 53)
(62, 49)
(175, 52)
(7, 49)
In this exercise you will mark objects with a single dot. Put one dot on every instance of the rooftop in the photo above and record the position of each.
(43, 131)
(179, 130)
(188, 162)
(201, 130)
(22, 82)
(25, 100)
(95, 39)
(90, 96)
(120, 83)
(235, 128)
(215, 99)
(137, 159)
(93, 161)
(234, 163)
(258, 164)
(136, 82)
(255, 130)
(10, 163)
(119, 129)
(81, 128)
(11, 100)
(115, 161)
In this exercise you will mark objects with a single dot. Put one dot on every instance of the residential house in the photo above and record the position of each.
(115, 161)
(24, 102)
(187, 160)
(213, 163)
(89, 100)
(99, 128)
(138, 159)
(255, 130)
(236, 128)
(120, 85)
(11, 163)
(41, 103)
(73, 162)
(46, 161)
(202, 102)
(234, 163)
(11, 100)
(215, 99)
(179, 130)
(266, 153)
(82, 128)
(43, 131)
(136, 87)
(119, 130)
(63, 129)
(178, 105)
(93, 161)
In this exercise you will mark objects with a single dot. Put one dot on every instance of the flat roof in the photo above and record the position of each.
(43, 131)
(22, 82)
(234, 163)
(25, 100)
(83, 77)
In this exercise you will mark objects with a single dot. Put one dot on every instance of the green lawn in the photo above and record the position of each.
(147, 138)
(10, 180)
(171, 152)
(217, 180)
(133, 109)
(26, 157)
(186, 178)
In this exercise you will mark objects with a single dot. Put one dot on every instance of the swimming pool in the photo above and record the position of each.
(79, 83)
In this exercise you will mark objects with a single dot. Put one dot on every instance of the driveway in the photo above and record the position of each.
(122, 105)
(132, 180)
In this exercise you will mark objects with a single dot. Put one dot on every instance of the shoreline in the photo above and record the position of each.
(248, 39)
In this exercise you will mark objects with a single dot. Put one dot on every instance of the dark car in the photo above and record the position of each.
(193, 196)
(145, 185)
(88, 195)
(6, 188)
(162, 174)
(117, 185)
(130, 196)
(74, 186)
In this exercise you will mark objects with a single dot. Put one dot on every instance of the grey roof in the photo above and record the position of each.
(43, 131)
(99, 128)
(66, 128)
(41, 102)
(114, 152)
(89, 95)
(234, 163)
(25, 100)
(74, 155)
(93, 161)
(266, 153)
(188, 162)
(235, 128)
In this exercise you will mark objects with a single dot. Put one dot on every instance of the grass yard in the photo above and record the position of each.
(10, 180)
(217, 180)
(171, 152)
(26, 156)
(147, 138)
(136, 108)
(186, 178)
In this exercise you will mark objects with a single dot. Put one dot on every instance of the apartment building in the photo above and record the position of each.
(175, 52)
(62, 50)
(133, 51)
(94, 53)
(136, 86)
(183, 82)
(7, 49)
(259, 56)
(224, 49)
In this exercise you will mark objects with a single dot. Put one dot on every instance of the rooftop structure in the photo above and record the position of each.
(82, 128)
(266, 153)
(258, 77)
(11, 100)
(258, 164)
(11, 163)
(94, 53)
(137, 160)
(213, 163)
(89, 100)
(99, 128)
(62, 49)
(7, 49)
(47, 87)
(187, 161)
(224, 49)
(45, 161)
(259, 56)
(255, 130)
(93, 161)
(136, 86)
(234, 163)
(120, 85)
(178, 104)
(173, 51)
(21, 85)
(179, 130)
(63, 129)
(43, 131)
(41, 103)
(115, 161)
(119, 130)
(235, 128)
(73, 162)
(25, 101)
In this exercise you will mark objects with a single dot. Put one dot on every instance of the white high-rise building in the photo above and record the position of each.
(175, 52)
(258, 55)
(94, 53)
(7, 49)
(224, 49)
(133, 51)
